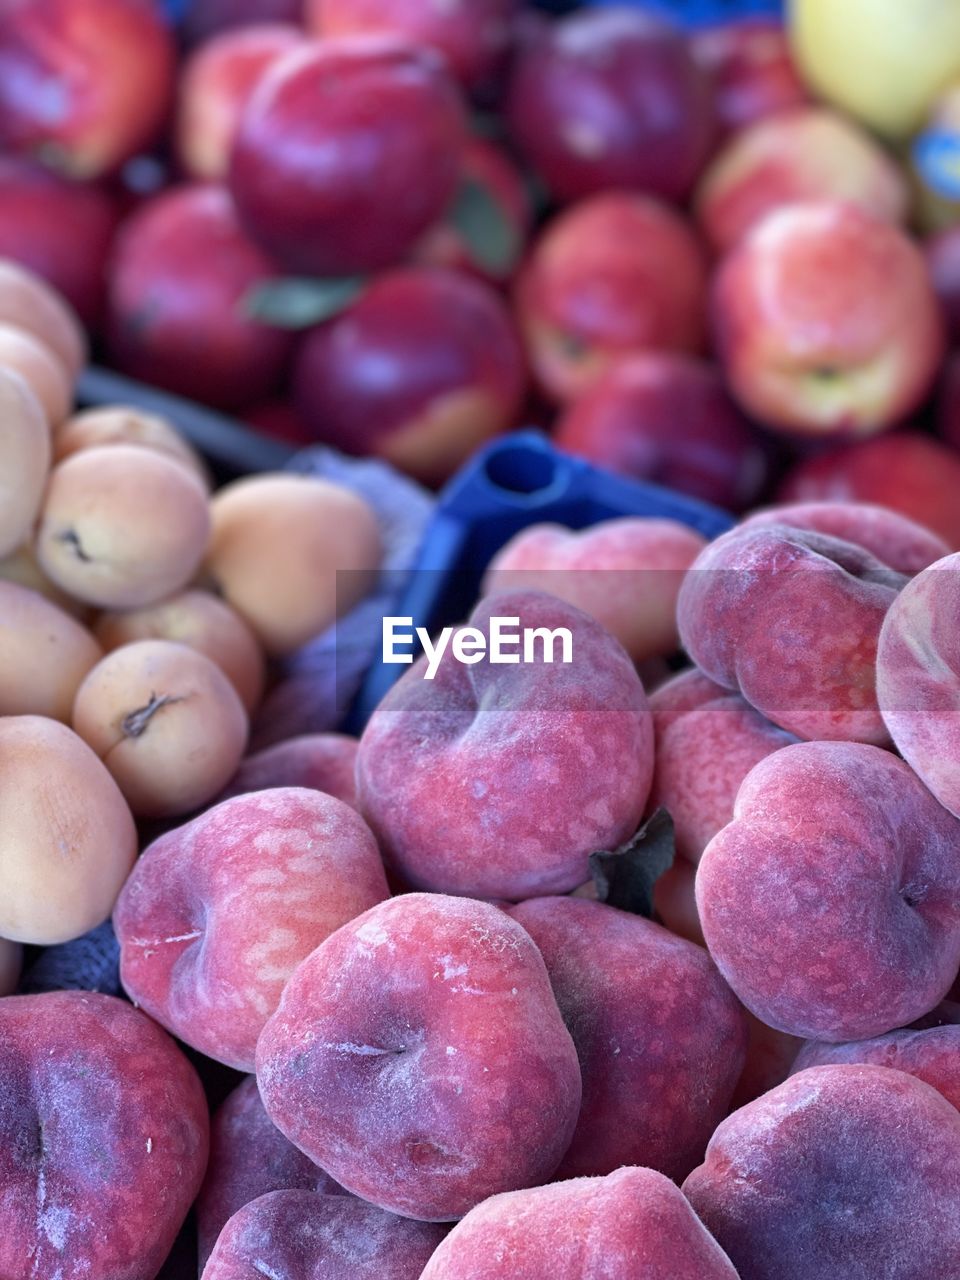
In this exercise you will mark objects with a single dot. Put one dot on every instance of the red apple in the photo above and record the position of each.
(35, 207)
(178, 280)
(826, 322)
(610, 277)
(910, 473)
(215, 84)
(667, 418)
(84, 84)
(753, 72)
(943, 259)
(420, 370)
(611, 99)
(473, 37)
(805, 154)
(347, 152)
(206, 18)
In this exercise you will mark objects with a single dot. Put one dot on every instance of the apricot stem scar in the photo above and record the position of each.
(135, 722)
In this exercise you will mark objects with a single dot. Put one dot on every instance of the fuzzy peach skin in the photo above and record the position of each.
(301, 1235)
(29, 303)
(809, 153)
(633, 1223)
(44, 655)
(849, 1171)
(67, 840)
(218, 913)
(898, 541)
(126, 424)
(418, 1055)
(166, 722)
(202, 622)
(321, 761)
(770, 1057)
(249, 1157)
(660, 1049)
(25, 453)
(103, 1138)
(41, 369)
(707, 739)
(498, 780)
(291, 554)
(932, 1055)
(122, 527)
(918, 677)
(625, 573)
(826, 322)
(831, 903)
(790, 619)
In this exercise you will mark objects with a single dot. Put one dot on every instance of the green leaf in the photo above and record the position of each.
(625, 877)
(298, 303)
(492, 240)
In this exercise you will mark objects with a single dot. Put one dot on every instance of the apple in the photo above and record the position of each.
(826, 322)
(611, 98)
(180, 274)
(809, 153)
(753, 72)
(84, 84)
(667, 418)
(346, 153)
(610, 277)
(215, 84)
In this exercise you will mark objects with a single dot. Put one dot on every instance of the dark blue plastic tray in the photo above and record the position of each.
(514, 482)
(698, 13)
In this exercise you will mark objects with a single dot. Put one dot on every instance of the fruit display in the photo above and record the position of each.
(617, 937)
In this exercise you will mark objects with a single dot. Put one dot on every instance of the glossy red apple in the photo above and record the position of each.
(908, 472)
(668, 418)
(473, 35)
(423, 368)
(216, 82)
(347, 152)
(84, 84)
(179, 280)
(35, 207)
(611, 98)
(610, 277)
(826, 322)
(753, 72)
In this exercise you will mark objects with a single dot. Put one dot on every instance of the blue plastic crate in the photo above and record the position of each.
(701, 13)
(514, 482)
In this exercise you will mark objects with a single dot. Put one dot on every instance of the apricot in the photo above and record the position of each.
(42, 371)
(28, 303)
(44, 655)
(24, 459)
(126, 424)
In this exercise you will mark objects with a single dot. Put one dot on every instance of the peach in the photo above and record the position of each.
(632, 1223)
(291, 554)
(202, 622)
(103, 1134)
(918, 678)
(44, 655)
(849, 1171)
(29, 303)
(932, 1055)
(625, 573)
(40, 369)
(67, 842)
(809, 153)
(321, 761)
(830, 902)
(752, 69)
(300, 1235)
(908, 472)
(498, 780)
(21, 567)
(943, 259)
(707, 739)
(205, 19)
(675, 901)
(770, 1056)
(826, 322)
(11, 960)
(127, 424)
(609, 277)
(217, 914)
(122, 527)
(24, 459)
(660, 1050)
(249, 1157)
(421, 370)
(752, 613)
(215, 84)
(418, 1055)
(166, 722)
(898, 541)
